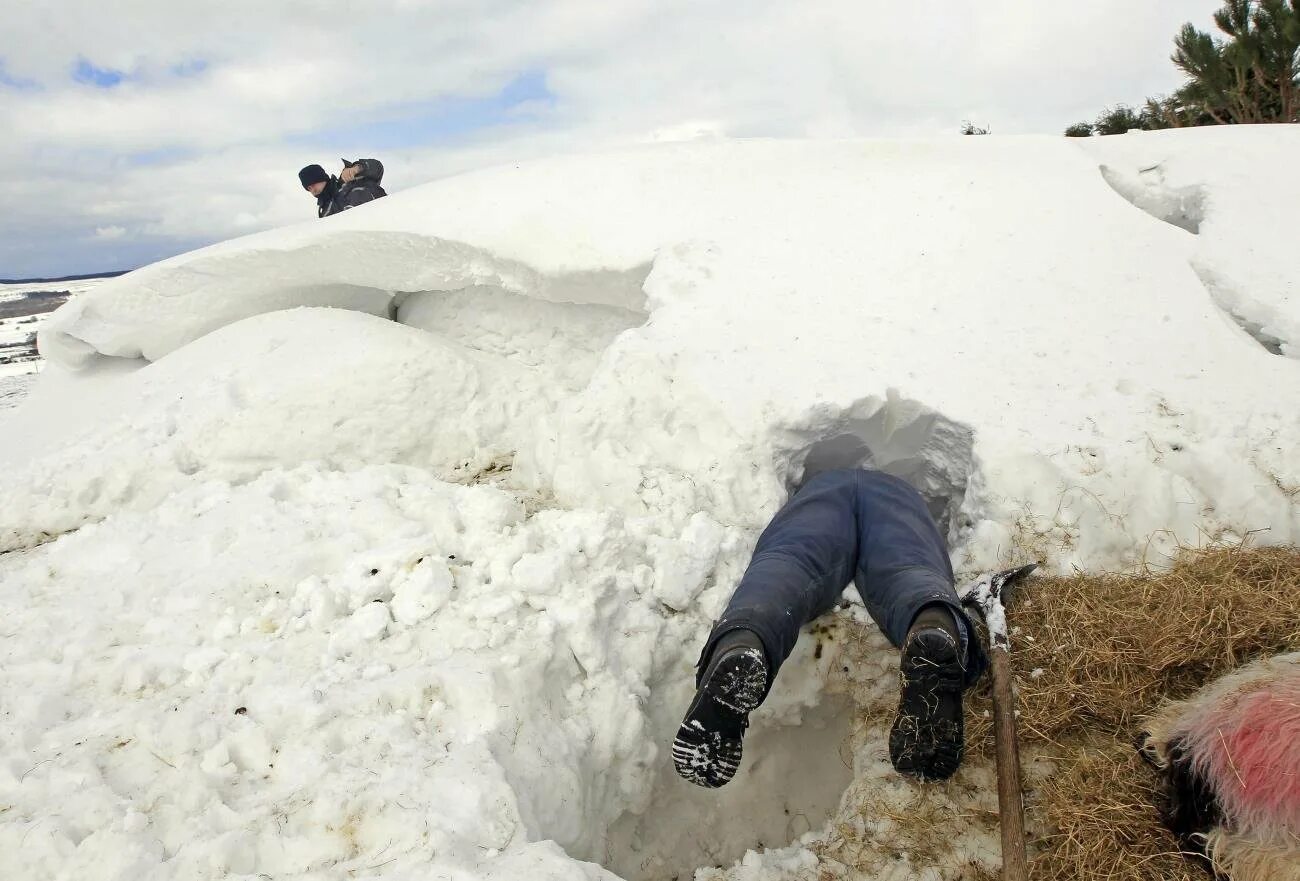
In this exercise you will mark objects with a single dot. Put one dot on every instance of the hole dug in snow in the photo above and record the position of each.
(901, 437)
(565, 338)
(790, 783)
(1225, 297)
(1183, 207)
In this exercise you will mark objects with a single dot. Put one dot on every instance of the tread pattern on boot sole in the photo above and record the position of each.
(707, 749)
(927, 738)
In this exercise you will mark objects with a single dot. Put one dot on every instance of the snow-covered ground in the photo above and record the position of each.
(19, 362)
(413, 586)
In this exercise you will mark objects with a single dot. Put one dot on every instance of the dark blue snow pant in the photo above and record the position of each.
(864, 526)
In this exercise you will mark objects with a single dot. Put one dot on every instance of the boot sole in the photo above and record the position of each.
(927, 739)
(707, 749)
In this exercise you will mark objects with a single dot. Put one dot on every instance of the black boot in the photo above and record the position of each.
(927, 739)
(707, 748)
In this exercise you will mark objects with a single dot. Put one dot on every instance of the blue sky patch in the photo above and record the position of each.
(192, 67)
(100, 77)
(160, 156)
(443, 119)
(13, 82)
(528, 86)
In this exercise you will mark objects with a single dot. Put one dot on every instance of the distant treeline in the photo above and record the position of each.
(1251, 75)
(93, 275)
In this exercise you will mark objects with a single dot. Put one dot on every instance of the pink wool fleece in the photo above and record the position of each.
(1246, 744)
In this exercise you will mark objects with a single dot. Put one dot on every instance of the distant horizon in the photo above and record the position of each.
(87, 276)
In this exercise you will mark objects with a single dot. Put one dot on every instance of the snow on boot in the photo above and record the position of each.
(927, 739)
(707, 748)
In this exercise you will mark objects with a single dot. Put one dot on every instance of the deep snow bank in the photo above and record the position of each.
(175, 301)
(324, 669)
(941, 308)
(280, 510)
(1234, 189)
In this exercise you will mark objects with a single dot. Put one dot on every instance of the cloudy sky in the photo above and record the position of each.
(133, 130)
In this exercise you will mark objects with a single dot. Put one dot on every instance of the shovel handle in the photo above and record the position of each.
(1010, 808)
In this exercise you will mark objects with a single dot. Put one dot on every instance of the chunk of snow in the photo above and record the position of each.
(422, 592)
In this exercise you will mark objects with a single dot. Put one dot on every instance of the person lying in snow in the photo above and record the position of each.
(875, 530)
(357, 184)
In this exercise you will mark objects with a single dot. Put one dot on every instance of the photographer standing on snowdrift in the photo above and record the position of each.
(357, 184)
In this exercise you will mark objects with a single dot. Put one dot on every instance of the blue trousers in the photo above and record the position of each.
(840, 526)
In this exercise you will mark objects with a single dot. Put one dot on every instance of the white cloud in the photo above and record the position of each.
(110, 232)
(185, 152)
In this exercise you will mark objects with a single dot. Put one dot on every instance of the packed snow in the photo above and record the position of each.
(382, 546)
(1215, 187)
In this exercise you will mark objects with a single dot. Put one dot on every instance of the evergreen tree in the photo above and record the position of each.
(1249, 75)
(1158, 113)
(1117, 120)
(1079, 130)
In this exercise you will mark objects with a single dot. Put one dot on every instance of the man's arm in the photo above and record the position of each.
(368, 169)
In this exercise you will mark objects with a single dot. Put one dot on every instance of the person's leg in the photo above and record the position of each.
(905, 579)
(801, 565)
(903, 563)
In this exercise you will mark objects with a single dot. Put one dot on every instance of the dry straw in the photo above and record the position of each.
(1093, 654)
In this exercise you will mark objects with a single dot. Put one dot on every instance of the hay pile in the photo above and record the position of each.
(1092, 655)
(1111, 647)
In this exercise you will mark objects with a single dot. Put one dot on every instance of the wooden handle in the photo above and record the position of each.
(1010, 809)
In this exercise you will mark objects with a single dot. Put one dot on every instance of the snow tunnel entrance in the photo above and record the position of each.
(1228, 301)
(790, 783)
(1183, 207)
(565, 338)
(851, 451)
(895, 435)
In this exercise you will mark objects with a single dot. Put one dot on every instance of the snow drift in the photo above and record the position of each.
(281, 510)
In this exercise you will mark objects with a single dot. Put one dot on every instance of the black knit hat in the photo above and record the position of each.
(312, 174)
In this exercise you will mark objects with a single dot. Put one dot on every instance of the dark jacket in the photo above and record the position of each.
(338, 196)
